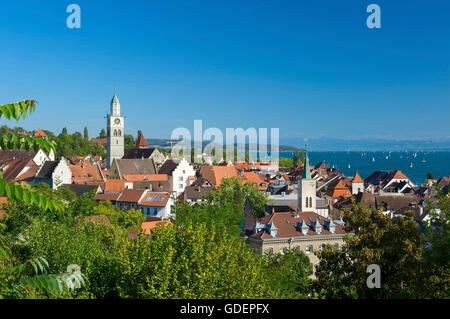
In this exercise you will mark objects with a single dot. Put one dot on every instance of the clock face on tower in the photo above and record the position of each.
(117, 121)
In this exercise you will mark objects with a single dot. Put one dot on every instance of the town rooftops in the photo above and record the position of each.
(141, 141)
(290, 224)
(145, 177)
(357, 179)
(155, 199)
(131, 195)
(215, 174)
(40, 133)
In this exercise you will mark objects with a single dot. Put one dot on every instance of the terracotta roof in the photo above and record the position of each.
(86, 172)
(215, 174)
(114, 185)
(357, 179)
(141, 141)
(131, 195)
(40, 133)
(147, 227)
(155, 199)
(254, 178)
(286, 223)
(145, 177)
(107, 196)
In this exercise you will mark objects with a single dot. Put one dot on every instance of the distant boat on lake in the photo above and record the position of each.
(373, 159)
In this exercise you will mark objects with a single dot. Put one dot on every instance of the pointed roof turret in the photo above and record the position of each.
(141, 141)
(115, 99)
(306, 169)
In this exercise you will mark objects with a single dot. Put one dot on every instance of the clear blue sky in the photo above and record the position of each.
(311, 68)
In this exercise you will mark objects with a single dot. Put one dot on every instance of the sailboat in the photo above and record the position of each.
(424, 161)
(348, 165)
(411, 166)
(387, 157)
(373, 159)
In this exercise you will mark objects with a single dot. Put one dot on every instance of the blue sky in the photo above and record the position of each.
(311, 68)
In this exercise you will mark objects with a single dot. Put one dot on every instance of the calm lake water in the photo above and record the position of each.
(367, 162)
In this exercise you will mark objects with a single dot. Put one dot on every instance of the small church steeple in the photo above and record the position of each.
(306, 169)
(306, 189)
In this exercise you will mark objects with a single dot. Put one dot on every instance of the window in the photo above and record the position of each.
(309, 249)
(159, 198)
(336, 246)
(180, 186)
(115, 133)
(296, 247)
(321, 247)
(180, 178)
(269, 251)
(119, 133)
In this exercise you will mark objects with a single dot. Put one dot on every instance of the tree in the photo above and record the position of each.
(22, 195)
(394, 244)
(93, 246)
(286, 162)
(195, 261)
(102, 134)
(430, 175)
(289, 273)
(129, 141)
(296, 159)
(302, 158)
(86, 134)
(16, 281)
(64, 131)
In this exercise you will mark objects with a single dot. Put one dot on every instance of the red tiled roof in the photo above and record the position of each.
(131, 195)
(145, 177)
(40, 133)
(285, 222)
(254, 178)
(155, 199)
(114, 185)
(215, 174)
(86, 172)
(399, 175)
(357, 179)
(147, 227)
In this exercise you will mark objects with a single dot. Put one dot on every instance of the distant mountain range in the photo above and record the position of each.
(330, 144)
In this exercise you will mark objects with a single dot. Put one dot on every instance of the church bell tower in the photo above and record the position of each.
(115, 132)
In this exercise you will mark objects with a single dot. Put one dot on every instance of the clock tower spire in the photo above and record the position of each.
(115, 132)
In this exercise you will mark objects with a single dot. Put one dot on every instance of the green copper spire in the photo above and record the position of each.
(115, 99)
(306, 170)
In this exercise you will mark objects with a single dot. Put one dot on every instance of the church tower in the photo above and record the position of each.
(307, 190)
(115, 132)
